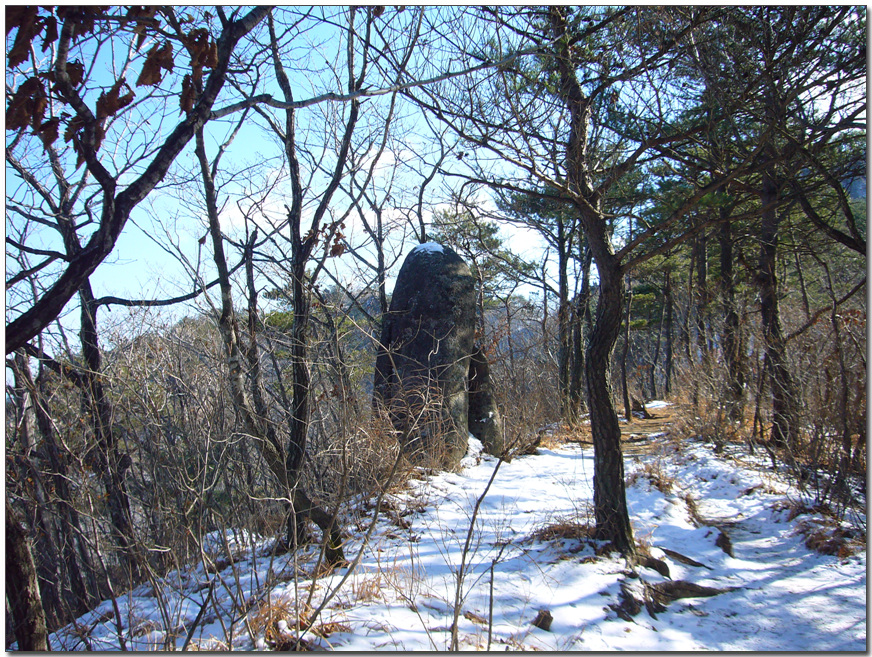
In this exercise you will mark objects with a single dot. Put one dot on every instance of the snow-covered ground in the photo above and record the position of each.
(523, 557)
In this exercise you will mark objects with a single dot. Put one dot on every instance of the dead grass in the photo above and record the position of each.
(266, 618)
(830, 539)
(478, 619)
(824, 533)
(653, 471)
(577, 528)
(280, 619)
(368, 589)
(210, 644)
(563, 530)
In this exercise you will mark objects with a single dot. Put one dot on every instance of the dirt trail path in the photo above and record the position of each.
(636, 435)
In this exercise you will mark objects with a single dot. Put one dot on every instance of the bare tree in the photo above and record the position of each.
(569, 128)
(88, 126)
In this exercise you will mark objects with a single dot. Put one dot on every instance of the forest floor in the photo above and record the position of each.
(733, 566)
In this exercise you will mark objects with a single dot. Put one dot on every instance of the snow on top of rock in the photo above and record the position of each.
(428, 247)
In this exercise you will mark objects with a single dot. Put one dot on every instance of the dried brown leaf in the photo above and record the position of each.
(51, 32)
(48, 132)
(76, 71)
(158, 59)
(145, 18)
(189, 94)
(73, 127)
(27, 106)
(108, 104)
(29, 26)
(82, 18)
(204, 51)
(17, 15)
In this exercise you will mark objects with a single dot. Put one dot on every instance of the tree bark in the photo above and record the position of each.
(484, 415)
(116, 209)
(702, 302)
(655, 358)
(22, 588)
(625, 352)
(256, 424)
(610, 498)
(735, 385)
(785, 429)
(26, 441)
(581, 319)
(667, 356)
(563, 322)
(111, 462)
(78, 569)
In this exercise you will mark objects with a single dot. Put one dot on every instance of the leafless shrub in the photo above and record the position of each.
(655, 474)
(829, 537)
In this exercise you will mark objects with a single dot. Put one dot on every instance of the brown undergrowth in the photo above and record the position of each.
(280, 619)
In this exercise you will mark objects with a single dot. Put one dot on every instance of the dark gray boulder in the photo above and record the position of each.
(423, 364)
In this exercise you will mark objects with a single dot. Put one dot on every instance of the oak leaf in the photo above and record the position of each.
(29, 25)
(204, 52)
(27, 106)
(82, 18)
(17, 15)
(157, 60)
(109, 103)
(189, 94)
(71, 134)
(51, 32)
(48, 132)
(144, 16)
(76, 71)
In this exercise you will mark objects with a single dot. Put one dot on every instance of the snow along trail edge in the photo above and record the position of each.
(782, 595)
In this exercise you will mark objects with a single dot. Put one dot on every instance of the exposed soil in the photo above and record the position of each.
(635, 435)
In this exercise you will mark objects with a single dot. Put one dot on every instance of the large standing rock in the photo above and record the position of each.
(422, 370)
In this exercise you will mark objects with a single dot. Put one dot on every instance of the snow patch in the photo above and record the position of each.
(778, 594)
(473, 453)
(428, 247)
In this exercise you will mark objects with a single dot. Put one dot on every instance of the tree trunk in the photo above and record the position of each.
(625, 352)
(684, 329)
(22, 588)
(563, 322)
(484, 415)
(667, 356)
(655, 358)
(581, 318)
(382, 270)
(785, 429)
(610, 498)
(256, 424)
(105, 456)
(576, 362)
(544, 321)
(116, 209)
(76, 563)
(300, 380)
(735, 385)
(111, 463)
(701, 297)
